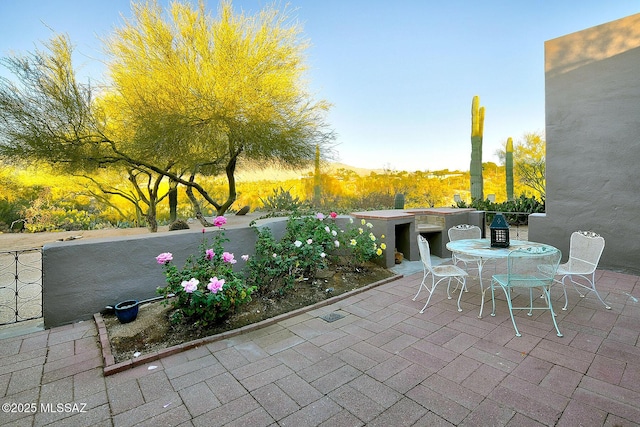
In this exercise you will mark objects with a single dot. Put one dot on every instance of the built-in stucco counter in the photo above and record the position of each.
(401, 227)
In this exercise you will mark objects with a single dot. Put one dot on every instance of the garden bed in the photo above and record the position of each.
(152, 336)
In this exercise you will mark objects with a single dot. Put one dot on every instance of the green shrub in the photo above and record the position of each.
(522, 205)
(310, 244)
(179, 224)
(281, 201)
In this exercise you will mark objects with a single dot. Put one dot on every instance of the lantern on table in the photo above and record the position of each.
(499, 232)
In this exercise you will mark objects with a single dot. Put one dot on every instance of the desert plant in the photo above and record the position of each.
(508, 162)
(281, 201)
(477, 131)
(179, 225)
(398, 201)
(515, 211)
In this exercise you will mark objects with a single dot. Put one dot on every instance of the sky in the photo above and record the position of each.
(400, 74)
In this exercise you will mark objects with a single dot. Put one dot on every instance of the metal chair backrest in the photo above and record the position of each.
(464, 231)
(532, 266)
(585, 250)
(425, 252)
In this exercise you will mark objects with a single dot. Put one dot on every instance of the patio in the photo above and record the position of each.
(383, 363)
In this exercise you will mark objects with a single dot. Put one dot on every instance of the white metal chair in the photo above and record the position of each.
(462, 232)
(528, 268)
(584, 255)
(440, 272)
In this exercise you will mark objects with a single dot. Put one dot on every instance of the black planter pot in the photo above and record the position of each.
(127, 311)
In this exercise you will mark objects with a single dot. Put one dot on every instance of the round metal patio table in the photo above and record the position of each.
(481, 250)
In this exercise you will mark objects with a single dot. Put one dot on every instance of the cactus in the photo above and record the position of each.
(398, 201)
(508, 162)
(477, 130)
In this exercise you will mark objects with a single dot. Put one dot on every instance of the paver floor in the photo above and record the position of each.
(382, 364)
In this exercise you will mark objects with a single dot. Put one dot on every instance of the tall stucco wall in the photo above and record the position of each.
(593, 141)
(80, 277)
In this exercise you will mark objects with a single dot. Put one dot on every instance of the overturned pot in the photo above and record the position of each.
(127, 311)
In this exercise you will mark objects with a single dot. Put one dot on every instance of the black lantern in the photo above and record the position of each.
(499, 232)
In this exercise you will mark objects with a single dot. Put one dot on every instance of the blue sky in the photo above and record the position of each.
(400, 74)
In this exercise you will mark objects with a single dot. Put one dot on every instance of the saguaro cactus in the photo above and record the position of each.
(508, 163)
(398, 201)
(477, 130)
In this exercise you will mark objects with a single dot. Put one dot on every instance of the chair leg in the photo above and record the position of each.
(482, 291)
(493, 301)
(547, 293)
(507, 293)
(591, 287)
(434, 284)
(433, 288)
(464, 286)
(564, 288)
(424, 277)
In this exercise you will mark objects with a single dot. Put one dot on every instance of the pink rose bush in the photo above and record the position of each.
(206, 289)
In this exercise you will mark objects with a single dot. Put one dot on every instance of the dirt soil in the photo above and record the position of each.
(152, 330)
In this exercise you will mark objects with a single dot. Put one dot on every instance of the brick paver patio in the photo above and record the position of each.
(382, 364)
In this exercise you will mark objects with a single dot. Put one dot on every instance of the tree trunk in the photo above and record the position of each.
(197, 209)
(173, 200)
(230, 171)
(152, 222)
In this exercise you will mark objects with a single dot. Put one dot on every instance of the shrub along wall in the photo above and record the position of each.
(81, 278)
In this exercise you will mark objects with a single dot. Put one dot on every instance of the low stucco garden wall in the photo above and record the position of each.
(81, 278)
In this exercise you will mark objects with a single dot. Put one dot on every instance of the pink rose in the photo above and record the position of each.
(209, 254)
(333, 215)
(219, 221)
(164, 257)
(228, 257)
(190, 285)
(215, 284)
(320, 216)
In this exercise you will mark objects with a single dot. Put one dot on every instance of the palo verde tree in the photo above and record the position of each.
(189, 95)
(207, 93)
(529, 162)
(48, 116)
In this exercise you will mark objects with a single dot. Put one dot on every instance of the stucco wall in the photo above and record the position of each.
(593, 141)
(80, 277)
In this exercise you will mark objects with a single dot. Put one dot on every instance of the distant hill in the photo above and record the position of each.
(248, 174)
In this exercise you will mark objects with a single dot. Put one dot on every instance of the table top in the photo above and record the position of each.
(482, 247)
